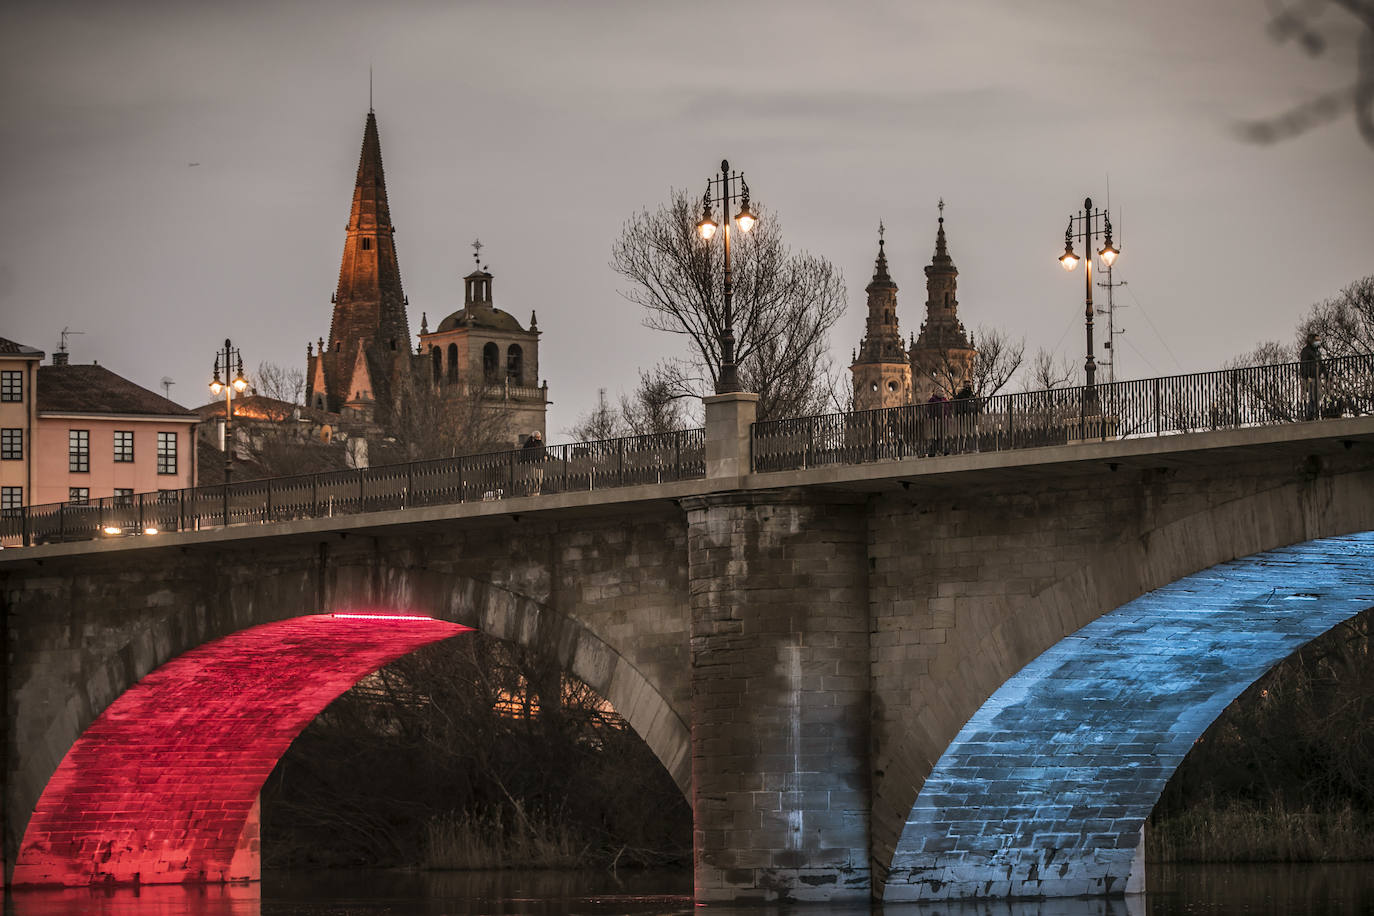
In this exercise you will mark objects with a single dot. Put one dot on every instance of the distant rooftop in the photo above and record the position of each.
(95, 389)
(13, 348)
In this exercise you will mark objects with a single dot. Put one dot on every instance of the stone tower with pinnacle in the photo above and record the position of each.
(942, 356)
(357, 372)
(881, 371)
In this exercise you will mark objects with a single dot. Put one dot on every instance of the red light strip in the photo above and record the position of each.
(381, 616)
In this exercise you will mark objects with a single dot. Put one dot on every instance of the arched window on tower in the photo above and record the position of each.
(946, 298)
(436, 358)
(515, 364)
(491, 362)
(367, 244)
(453, 362)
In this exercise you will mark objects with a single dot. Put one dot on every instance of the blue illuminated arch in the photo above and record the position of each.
(1044, 791)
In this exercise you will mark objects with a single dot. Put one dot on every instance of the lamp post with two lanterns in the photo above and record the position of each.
(721, 190)
(1091, 224)
(228, 360)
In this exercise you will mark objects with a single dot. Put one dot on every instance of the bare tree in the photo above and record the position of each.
(433, 420)
(603, 421)
(784, 303)
(278, 382)
(1298, 22)
(1048, 371)
(999, 358)
(656, 405)
(1345, 323)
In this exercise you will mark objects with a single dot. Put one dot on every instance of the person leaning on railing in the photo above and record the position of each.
(532, 455)
(1310, 371)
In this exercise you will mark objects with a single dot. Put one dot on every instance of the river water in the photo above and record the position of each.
(1215, 890)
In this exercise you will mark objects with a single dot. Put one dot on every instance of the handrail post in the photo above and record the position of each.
(181, 509)
(267, 509)
(141, 526)
(226, 504)
(511, 465)
(677, 457)
(410, 485)
(362, 498)
(24, 520)
(462, 495)
(61, 521)
(100, 513)
(314, 495)
(620, 462)
(1158, 428)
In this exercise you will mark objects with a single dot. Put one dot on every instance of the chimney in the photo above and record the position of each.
(59, 357)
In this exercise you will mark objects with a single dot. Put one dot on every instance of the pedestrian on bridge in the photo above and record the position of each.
(532, 455)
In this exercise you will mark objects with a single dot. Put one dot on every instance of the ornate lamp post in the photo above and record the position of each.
(229, 360)
(1088, 221)
(721, 190)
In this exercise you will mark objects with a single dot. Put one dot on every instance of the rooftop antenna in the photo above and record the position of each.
(167, 384)
(67, 332)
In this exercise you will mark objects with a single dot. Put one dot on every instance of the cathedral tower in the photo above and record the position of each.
(942, 356)
(881, 372)
(369, 336)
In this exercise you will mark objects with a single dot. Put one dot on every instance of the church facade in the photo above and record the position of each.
(369, 366)
(888, 372)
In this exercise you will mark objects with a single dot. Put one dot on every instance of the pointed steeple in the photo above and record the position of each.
(942, 356)
(369, 303)
(880, 274)
(882, 377)
(942, 258)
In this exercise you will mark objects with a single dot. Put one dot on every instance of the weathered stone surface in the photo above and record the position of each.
(826, 634)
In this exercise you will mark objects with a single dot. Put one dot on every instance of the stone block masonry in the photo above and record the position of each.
(779, 656)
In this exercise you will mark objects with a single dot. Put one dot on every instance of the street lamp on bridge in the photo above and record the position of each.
(721, 190)
(1090, 224)
(229, 360)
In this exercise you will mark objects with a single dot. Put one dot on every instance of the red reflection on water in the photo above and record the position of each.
(160, 788)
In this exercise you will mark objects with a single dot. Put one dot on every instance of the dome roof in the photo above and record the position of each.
(492, 318)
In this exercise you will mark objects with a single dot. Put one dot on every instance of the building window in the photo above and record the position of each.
(166, 453)
(515, 364)
(11, 501)
(453, 362)
(123, 446)
(11, 444)
(367, 244)
(491, 359)
(12, 385)
(79, 496)
(123, 496)
(79, 450)
(436, 357)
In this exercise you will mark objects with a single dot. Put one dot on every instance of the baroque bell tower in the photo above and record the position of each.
(369, 336)
(881, 371)
(942, 356)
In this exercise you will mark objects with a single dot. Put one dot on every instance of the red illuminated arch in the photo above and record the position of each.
(159, 787)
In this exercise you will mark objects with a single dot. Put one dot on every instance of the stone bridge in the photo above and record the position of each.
(922, 678)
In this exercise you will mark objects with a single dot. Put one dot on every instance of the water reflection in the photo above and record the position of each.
(1322, 890)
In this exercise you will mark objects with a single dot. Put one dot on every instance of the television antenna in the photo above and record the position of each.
(167, 384)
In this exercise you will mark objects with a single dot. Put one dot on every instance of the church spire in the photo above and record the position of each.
(882, 376)
(369, 304)
(942, 258)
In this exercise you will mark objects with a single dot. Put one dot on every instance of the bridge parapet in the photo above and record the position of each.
(1224, 399)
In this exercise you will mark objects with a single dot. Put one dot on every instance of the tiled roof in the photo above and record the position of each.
(18, 349)
(95, 389)
(260, 407)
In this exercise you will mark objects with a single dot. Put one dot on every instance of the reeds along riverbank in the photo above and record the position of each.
(471, 841)
(1238, 832)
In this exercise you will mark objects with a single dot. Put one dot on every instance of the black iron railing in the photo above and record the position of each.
(578, 466)
(1224, 399)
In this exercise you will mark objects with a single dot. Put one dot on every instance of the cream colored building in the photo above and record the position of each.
(18, 422)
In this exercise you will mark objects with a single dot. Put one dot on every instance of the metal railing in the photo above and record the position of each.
(1223, 399)
(578, 466)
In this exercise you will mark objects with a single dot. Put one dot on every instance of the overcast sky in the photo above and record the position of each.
(542, 126)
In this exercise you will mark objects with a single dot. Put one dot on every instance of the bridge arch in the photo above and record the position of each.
(1045, 790)
(243, 693)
